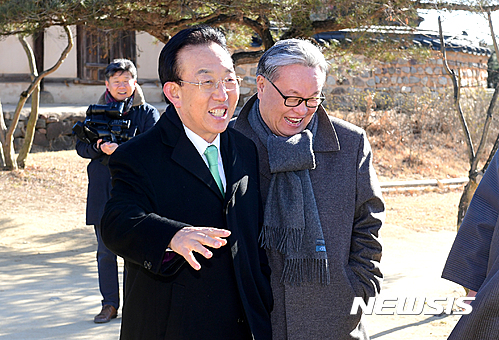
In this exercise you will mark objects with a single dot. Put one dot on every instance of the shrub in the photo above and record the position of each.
(420, 134)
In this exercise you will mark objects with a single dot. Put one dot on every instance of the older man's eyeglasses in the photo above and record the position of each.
(291, 101)
(208, 86)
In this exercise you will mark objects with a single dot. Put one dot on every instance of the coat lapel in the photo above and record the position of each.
(233, 167)
(184, 153)
(242, 125)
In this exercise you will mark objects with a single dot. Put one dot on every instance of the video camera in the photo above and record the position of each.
(105, 122)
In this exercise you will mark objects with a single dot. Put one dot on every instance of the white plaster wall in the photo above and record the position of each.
(55, 42)
(10, 92)
(13, 59)
(71, 93)
(153, 92)
(148, 50)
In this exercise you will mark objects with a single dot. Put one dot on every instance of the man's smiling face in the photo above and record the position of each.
(121, 85)
(205, 113)
(294, 80)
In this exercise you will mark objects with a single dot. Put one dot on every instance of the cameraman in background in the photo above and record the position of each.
(121, 84)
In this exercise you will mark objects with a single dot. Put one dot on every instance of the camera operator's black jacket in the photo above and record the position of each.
(144, 116)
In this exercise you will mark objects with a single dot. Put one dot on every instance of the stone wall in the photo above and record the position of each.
(53, 127)
(386, 81)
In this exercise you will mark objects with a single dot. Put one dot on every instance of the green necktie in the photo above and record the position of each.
(211, 154)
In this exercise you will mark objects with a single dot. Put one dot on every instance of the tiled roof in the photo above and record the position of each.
(457, 43)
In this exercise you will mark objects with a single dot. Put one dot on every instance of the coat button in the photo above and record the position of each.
(147, 265)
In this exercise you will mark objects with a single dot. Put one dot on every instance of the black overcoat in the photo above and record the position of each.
(161, 184)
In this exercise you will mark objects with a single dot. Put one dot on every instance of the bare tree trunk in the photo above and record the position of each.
(474, 174)
(3, 129)
(35, 104)
(469, 188)
(464, 202)
(30, 129)
(8, 147)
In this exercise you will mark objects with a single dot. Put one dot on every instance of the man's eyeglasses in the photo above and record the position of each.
(291, 101)
(208, 86)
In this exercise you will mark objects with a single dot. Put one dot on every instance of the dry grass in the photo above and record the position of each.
(422, 137)
(432, 209)
(52, 182)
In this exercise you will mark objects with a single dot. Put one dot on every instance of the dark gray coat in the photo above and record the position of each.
(351, 211)
(473, 261)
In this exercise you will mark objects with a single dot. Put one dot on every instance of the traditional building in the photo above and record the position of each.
(80, 79)
(390, 81)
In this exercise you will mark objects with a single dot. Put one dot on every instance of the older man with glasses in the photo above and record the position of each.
(323, 205)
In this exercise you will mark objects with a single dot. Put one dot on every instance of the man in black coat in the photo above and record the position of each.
(187, 223)
(121, 86)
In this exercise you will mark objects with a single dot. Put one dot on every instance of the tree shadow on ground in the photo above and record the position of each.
(49, 286)
(414, 324)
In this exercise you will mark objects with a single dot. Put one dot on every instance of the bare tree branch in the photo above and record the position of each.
(457, 89)
(35, 102)
(494, 98)
(8, 147)
(263, 30)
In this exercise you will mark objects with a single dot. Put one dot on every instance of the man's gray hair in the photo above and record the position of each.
(290, 52)
(120, 65)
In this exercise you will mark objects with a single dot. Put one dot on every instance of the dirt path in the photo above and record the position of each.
(417, 237)
(412, 264)
(48, 276)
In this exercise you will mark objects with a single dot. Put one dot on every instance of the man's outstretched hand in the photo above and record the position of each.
(194, 239)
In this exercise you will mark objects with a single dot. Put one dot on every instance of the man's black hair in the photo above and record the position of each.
(120, 65)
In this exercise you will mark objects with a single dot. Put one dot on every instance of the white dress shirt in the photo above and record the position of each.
(200, 144)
